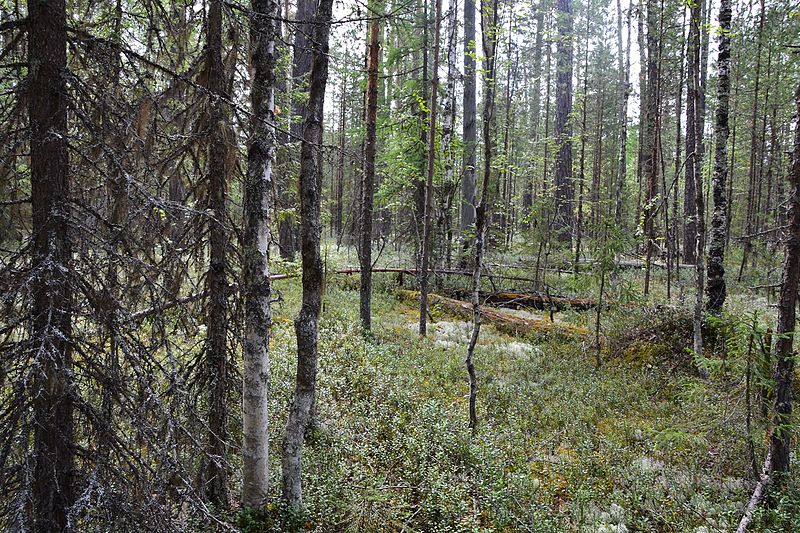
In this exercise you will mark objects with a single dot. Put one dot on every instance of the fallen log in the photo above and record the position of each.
(758, 495)
(501, 320)
(542, 302)
(641, 264)
(445, 271)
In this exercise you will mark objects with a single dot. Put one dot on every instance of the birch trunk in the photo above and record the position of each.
(716, 249)
(257, 289)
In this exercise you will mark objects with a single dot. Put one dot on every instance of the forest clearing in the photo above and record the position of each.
(402, 265)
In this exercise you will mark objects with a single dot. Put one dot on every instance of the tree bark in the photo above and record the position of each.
(338, 193)
(716, 249)
(306, 322)
(673, 238)
(692, 165)
(468, 200)
(640, 38)
(530, 185)
(650, 136)
(780, 440)
(582, 159)
(448, 125)
(216, 471)
(624, 82)
(255, 271)
(368, 183)
(489, 33)
(564, 188)
(288, 241)
(53, 490)
(694, 130)
(428, 213)
(749, 228)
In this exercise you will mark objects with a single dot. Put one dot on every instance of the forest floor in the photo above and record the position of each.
(643, 444)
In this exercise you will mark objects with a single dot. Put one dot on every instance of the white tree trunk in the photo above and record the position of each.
(258, 183)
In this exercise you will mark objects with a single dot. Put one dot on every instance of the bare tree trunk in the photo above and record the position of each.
(338, 202)
(428, 213)
(732, 158)
(649, 148)
(676, 255)
(448, 124)
(693, 134)
(216, 472)
(489, 33)
(505, 175)
(468, 200)
(582, 163)
(288, 242)
(255, 271)
(780, 441)
(692, 166)
(50, 343)
(564, 188)
(306, 323)
(530, 185)
(640, 38)
(751, 186)
(419, 181)
(624, 82)
(368, 183)
(716, 249)
(597, 160)
(546, 138)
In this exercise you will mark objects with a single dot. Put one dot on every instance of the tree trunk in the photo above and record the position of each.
(255, 271)
(422, 107)
(489, 33)
(468, 199)
(546, 138)
(306, 323)
(640, 38)
(650, 136)
(338, 193)
(582, 159)
(53, 490)
(428, 213)
(716, 249)
(564, 188)
(780, 441)
(530, 188)
(678, 164)
(624, 82)
(288, 242)
(692, 165)
(751, 186)
(448, 124)
(368, 183)
(693, 130)
(597, 160)
(216, 472)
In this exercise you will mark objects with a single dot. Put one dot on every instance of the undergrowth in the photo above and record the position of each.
(638, 446)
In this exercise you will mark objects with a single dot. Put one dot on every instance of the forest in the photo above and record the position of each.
(399, 265)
